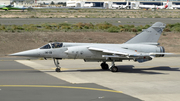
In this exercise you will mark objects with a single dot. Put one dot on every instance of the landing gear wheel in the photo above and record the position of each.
(56, 62)
(114, 69)
(104, 66)
(58, 69)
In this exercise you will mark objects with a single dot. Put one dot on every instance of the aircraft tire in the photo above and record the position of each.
(58, 70)
(104, 66)
(114, 69)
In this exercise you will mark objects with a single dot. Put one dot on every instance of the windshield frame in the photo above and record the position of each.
(47, 46)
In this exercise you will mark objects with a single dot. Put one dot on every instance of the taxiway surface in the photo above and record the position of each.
(156, 80)
(114, 21)
(20, 82)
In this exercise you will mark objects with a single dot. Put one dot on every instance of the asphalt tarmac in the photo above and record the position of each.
(114, 21)
(156, 80)
(19, 82)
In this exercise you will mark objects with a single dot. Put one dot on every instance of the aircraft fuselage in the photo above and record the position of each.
(82, 51)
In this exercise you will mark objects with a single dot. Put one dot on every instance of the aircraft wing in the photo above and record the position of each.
(121, 52)
(115, 52)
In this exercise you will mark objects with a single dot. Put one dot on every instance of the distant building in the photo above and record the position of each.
(49, 1)
(132, 4)
(5, 2)
(56, 1)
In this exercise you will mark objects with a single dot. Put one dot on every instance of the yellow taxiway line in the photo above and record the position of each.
(48, 86)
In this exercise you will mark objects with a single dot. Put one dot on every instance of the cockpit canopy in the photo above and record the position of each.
(52, 45)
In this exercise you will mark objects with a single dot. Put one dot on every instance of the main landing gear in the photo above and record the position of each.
(105, 66)
(56, 62)
(113, 68)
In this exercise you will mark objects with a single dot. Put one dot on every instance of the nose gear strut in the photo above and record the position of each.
(56, 62)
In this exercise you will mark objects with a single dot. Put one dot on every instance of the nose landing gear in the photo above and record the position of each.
(56, 62)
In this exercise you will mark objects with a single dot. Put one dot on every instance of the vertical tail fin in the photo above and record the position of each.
(127, 3)
(150, 35)
(166, 4)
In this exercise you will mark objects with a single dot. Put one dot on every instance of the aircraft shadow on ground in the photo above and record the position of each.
(152, 70)
(130, 69)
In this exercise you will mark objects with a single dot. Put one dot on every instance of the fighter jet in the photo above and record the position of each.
(141, 48)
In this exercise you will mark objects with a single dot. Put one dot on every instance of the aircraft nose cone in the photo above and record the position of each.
(28, 53)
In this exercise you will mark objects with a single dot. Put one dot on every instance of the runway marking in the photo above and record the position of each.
(48, 86)
(61, 68)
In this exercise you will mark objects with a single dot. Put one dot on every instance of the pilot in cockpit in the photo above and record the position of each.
(56, 45)
(53, 45)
